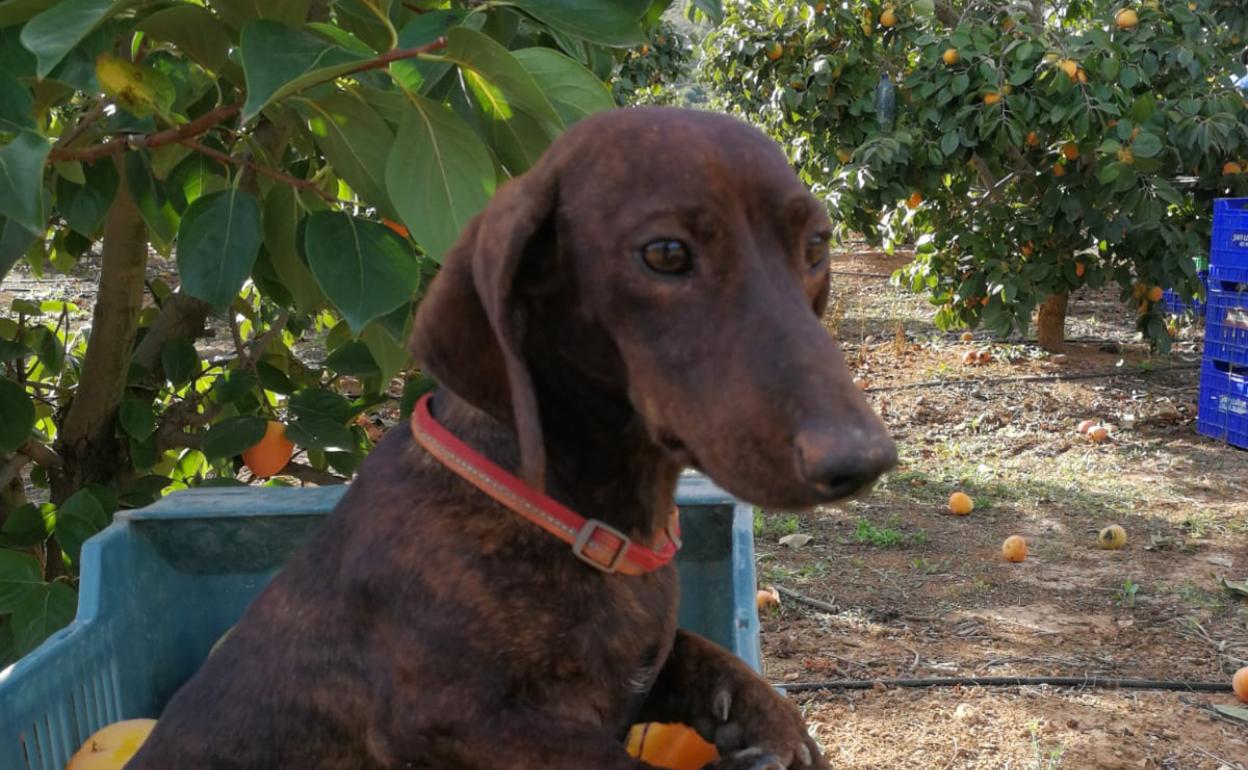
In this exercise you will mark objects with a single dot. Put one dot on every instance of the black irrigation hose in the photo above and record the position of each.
(1009, 681)
(1031, 378)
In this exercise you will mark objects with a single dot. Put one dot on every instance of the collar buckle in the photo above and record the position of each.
(585, 537)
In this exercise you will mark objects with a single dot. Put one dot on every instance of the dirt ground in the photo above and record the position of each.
(920, 593)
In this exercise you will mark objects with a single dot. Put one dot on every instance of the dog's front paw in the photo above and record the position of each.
(750, 716)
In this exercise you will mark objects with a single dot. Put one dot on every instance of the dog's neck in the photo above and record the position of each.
(611, 472)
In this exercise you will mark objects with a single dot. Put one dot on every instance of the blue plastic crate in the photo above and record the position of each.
(1229, 248)
(1226, 323)
(1228, 274)
(1223, 408)
(1176, 305)
(163, 583)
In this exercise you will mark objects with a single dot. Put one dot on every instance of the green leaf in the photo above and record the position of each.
(24, 527)
(353, 359)
(318, 403)
(179, 361)
(1234, 586)
(233, 436)
(54, 32)
(138, 89)
(390, 355)
(280, 223)
(438, 175)
(1234, 712)
(21, 180)
(85, 205)
(617, 23)
(714, 9)
(16, 103)
(420, 75)
(15, 240)
(17, 415)
(573, 90)
(1147, 145)
(479, 53)
(218, 241)
(77, 520)
(355, 140)
(137, 419)
(322, 434)
(233, 385)
(17, 11)
(517, 138)
(154, 207)
(236, 13)
(45, 610)
(280, 60)
(19, 575)
(950, 142)
(363, 267)
(193, 30)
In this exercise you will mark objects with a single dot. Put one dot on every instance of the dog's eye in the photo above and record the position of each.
(817, 248)
(667, 257)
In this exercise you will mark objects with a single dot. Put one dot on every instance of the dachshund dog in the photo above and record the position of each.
(646, 298)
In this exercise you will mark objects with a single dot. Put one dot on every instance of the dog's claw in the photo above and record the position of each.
(803, 754)
(721, 704)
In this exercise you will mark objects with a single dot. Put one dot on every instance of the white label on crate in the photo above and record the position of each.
(1232, 404)
(1239, 239)
(1237, 318)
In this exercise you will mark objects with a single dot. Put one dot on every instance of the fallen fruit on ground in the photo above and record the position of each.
(1098, 433)
(1112, 537)
(672, 746)
(111, 747)
(1086, 426)
(768, 597)
(1014, 548)
(1239, 683)
(984, 356)
(968, 336)
(960, 504)
(271, 453)
(970, 359)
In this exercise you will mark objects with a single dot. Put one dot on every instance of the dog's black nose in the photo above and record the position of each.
(839, 463)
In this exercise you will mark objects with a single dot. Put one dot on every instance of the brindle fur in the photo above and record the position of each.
(424, 625)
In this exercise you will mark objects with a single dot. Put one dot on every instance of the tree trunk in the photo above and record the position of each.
(87, 440)
(1051, 322)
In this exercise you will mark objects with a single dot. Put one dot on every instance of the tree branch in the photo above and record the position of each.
(307, 473)
(293, 181)
(160, 138)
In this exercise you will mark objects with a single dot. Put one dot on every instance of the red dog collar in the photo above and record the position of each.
(597, 544)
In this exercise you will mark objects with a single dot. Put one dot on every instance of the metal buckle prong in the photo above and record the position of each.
(582, 541)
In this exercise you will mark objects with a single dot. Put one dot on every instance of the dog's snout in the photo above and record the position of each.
(840, 463)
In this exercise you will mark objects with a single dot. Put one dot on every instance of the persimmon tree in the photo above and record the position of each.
(1029, 148)
(306, 164)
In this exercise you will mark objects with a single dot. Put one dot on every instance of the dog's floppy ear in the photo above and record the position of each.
(469, 328)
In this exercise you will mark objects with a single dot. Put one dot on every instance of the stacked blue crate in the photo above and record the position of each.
(1176, 305)
(1223, 410)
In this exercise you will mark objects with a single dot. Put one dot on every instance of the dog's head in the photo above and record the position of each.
(668, 265)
